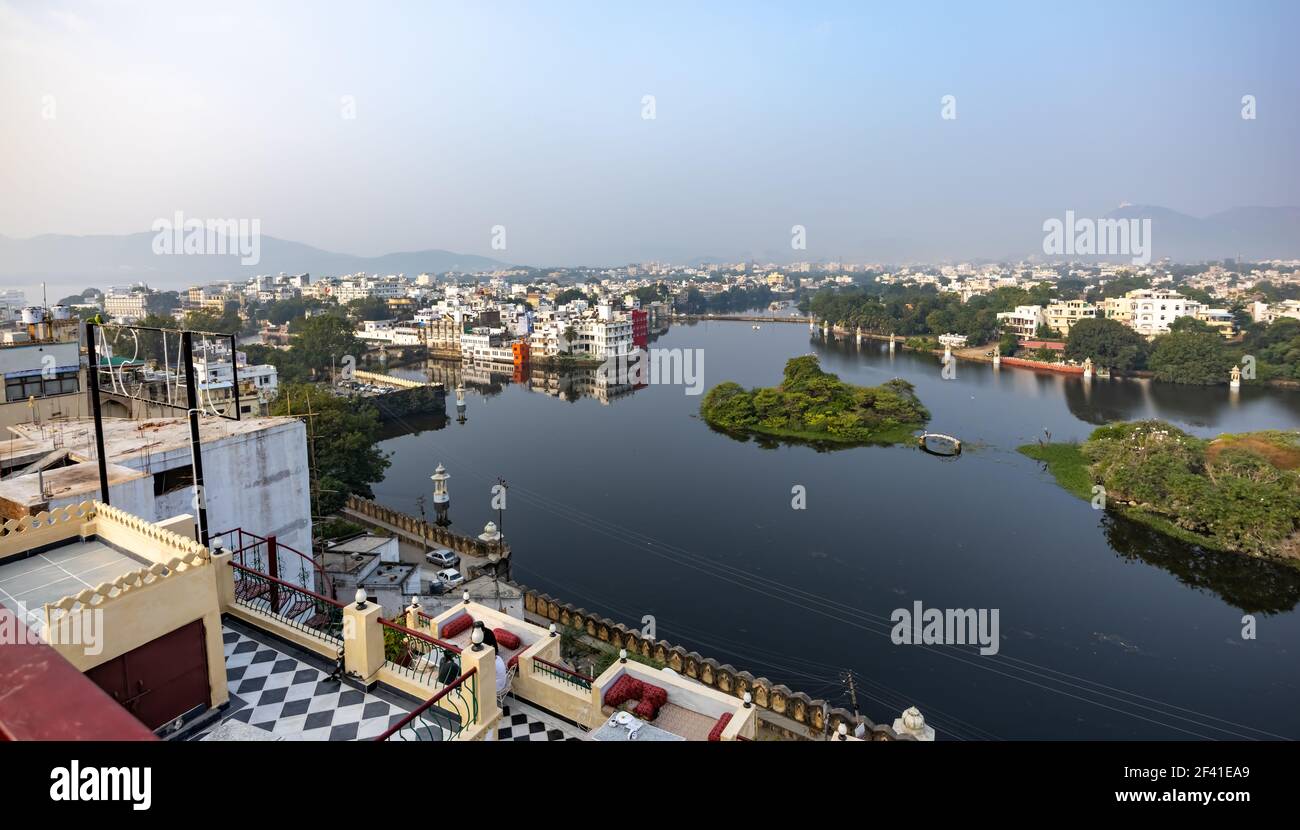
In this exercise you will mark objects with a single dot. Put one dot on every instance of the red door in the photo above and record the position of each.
(162, 679)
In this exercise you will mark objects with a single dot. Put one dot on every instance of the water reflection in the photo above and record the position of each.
(1253, 585)
(569, 384)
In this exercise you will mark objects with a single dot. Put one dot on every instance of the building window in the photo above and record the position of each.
(169, 481)
(34, 386)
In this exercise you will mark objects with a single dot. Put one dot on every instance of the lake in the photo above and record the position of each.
(633, 506)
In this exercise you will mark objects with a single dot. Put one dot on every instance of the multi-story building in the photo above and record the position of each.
(1265, 313)
(1062, 315)
(1149, 311)
(1023, 322)
(483, 344)
(41, 369)
(12, 303)
(126, 304)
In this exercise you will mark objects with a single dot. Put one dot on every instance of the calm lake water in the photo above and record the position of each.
(636, 507)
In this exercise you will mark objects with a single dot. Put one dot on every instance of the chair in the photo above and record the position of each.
(505, 690)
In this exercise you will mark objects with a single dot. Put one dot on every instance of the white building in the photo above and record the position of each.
(1023, 322)
(255, 473)
(1150, 311)
(126, 304)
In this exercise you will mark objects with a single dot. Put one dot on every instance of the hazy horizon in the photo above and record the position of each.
(469, 117)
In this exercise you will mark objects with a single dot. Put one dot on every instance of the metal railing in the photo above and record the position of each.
(417, 655)
(442, 717)
(291, 604)
(562, 673)
(253, 552)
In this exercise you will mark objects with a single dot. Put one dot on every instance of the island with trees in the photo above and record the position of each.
(1236, 492)
(815, 406)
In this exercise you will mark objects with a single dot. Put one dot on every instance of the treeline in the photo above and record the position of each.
(732, 299)
(925, 311)
(1192, 352)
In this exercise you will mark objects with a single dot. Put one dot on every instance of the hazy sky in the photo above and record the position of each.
(529, 115)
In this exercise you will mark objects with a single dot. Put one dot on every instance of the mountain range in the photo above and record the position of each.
(103, 260)
(1247, 233)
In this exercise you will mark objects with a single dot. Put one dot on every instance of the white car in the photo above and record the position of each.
(450, 577)
(443, 557)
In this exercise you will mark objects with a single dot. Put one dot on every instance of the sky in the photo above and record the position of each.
(530, 116)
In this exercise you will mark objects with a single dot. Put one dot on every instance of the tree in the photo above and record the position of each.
(1190, 356)
(343, 433)
(369, 308)
(1109, 343)
(323, 341)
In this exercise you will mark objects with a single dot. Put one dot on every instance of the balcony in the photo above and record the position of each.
(192, 643)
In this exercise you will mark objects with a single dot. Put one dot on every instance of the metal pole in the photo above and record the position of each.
(234, 368)
(93, 371)
(196, 453)
(273, 568)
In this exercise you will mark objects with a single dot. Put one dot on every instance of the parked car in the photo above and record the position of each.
(450, 577)
(442, 557)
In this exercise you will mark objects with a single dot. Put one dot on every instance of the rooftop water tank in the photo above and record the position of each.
(33, 314)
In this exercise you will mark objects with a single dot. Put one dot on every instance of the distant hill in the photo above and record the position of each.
(1247, 233)
(106, 260)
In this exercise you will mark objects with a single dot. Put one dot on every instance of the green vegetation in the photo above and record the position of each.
(813, 405)
(1109, 343)
(343, 433)
(587, 654)
(1276, 349)
(921, 311)
(1066, 463)
(317, 348)
(1192, 353)
(730, 299)
(1237, 493)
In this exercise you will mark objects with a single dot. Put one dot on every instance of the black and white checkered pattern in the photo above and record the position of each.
(517, 725)
(294, 701)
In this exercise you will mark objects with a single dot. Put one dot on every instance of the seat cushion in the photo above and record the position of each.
(506, 638)
(624, 689)
(456, 625)
(715, 734)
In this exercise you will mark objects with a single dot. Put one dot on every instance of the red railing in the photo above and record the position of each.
(454, 694)
(245, 546)
(292, 604)
(417, 655)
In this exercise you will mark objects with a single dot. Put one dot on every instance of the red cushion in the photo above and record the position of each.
(624, 689)
(645, 710)
(456, 624)
(513, 662)
(656, 695)
(715, 734)
(506, 638)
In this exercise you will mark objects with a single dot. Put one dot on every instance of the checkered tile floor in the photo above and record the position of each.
(521, 722)
(294, 701)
